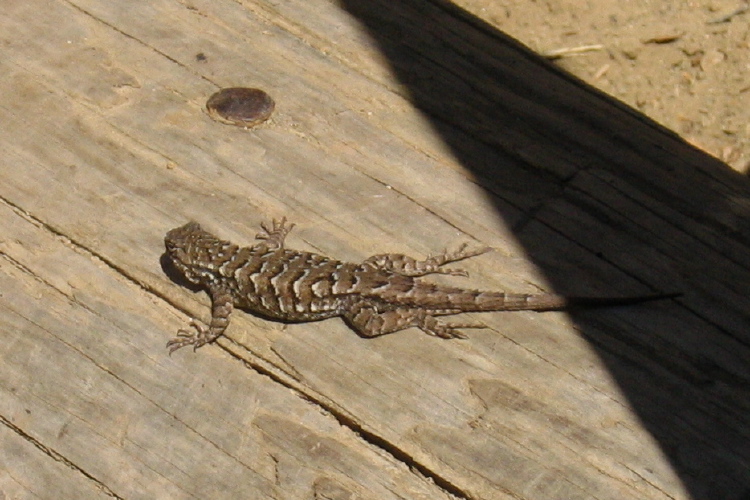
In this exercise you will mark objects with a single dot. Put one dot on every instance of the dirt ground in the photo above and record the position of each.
(685, 64)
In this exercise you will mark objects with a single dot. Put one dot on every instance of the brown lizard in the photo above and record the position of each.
(381, 295)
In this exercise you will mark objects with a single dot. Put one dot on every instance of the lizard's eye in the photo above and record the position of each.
(171, 245)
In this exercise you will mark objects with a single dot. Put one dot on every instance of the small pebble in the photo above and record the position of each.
(240, 106)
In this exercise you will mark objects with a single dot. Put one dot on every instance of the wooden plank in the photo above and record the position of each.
(27, 468)
(92, 406)
(107, 147)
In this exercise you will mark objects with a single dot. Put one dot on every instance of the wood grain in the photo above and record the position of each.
(386, 137)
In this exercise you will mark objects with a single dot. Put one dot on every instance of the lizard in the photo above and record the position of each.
(381, 295)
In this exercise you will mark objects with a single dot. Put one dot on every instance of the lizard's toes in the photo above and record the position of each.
(186, 337)
(178, 343)
(450, 333)
(456, 272)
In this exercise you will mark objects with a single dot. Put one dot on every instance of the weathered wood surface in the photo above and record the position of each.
(400, 126)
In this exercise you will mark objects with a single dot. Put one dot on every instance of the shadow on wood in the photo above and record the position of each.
(601, 187)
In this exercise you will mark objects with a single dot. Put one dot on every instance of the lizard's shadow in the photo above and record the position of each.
(168, 267)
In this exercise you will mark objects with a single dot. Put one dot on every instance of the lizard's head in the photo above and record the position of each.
(189, 251)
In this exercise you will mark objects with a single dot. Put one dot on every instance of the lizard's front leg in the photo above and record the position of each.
(274, 237)
(408, 266)
(221, 309)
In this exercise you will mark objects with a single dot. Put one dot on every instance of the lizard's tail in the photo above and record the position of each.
(456, 299)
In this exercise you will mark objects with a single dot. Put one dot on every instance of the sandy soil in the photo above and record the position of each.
(685, 64)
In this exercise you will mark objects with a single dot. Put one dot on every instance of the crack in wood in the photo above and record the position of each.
(58, 457)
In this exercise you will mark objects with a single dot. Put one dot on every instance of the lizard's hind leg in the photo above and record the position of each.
(409, 266)
(367, 321)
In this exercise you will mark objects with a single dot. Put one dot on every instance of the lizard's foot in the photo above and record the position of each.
(196, 337)
(274, 236)
(431, 326)
(460, 254)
